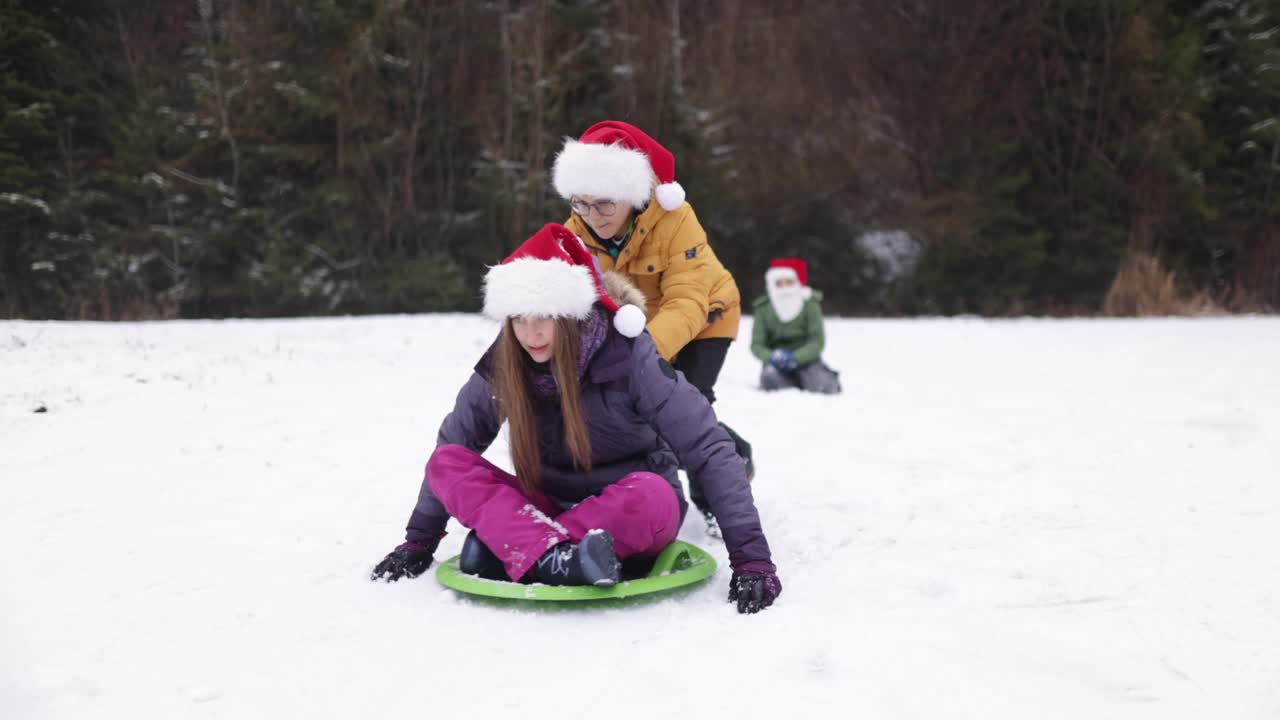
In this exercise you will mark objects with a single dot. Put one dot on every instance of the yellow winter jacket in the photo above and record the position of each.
(689, 294)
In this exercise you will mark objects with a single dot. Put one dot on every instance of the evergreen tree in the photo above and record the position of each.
(42, 259)
(1240, 81)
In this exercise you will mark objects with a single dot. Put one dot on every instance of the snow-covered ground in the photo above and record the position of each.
(1014, 519)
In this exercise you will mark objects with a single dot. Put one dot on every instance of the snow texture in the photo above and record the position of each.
(1015, 519)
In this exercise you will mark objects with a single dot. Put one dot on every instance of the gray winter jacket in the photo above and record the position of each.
(642, 415)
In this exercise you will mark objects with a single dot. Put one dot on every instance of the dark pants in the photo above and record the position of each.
(701, 361)
(814, 377)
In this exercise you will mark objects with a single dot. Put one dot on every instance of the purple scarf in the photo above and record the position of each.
(592, 332)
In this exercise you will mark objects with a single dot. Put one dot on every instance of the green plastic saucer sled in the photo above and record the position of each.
(678, 565)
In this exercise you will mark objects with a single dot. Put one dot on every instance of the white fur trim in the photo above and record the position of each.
(546, 288)
(611, 172)
(629, 320)
(773, 274)
(670, 195)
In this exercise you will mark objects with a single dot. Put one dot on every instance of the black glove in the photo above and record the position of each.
(409, 559)
(754, 587)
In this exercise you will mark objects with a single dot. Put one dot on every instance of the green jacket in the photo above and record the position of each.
(803, 336)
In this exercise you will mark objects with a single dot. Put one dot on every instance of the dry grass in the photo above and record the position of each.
(120, 306)
(1144, 288)
(1261, 275)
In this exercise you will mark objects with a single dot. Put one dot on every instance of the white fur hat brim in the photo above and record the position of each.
(774, 274)
(612, 172)
(544, 288)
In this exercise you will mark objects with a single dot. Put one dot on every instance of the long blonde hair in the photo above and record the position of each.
(514, 393)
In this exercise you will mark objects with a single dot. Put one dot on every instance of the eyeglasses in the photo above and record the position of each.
(606, 208)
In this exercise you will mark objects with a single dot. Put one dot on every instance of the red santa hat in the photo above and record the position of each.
(553, 275)
(617, 161)
(788, 267)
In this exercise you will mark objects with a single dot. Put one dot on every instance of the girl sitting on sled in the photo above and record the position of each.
(599, 424)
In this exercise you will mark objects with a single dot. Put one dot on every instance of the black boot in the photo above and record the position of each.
(478, 559)
(590, 562)
(744, 451)
(704, 508)
(713, 525)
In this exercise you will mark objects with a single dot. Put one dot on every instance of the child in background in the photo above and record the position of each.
(788, 335)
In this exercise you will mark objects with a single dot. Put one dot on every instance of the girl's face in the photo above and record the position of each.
(535, 334)
(606, 226)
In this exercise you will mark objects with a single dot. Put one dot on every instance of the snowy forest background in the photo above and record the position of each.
(213, 158)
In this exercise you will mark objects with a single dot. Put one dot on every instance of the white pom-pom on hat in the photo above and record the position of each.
(629, 320)
(670, 195)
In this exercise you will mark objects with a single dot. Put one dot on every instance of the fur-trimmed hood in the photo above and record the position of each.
(623, 291)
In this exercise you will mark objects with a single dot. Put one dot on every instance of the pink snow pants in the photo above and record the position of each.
(640, 510)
